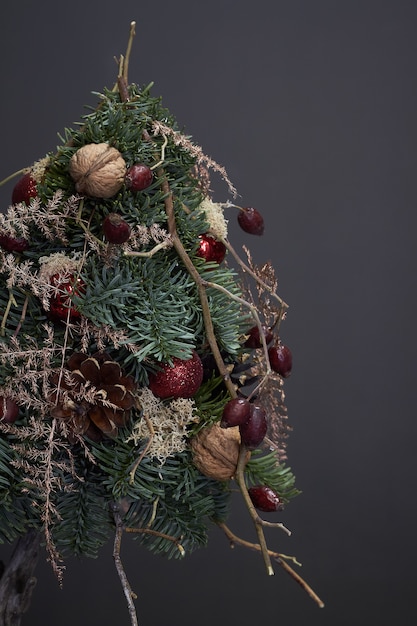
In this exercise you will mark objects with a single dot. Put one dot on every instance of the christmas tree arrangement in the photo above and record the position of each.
(141, 363)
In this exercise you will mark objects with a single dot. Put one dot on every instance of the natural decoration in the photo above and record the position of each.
(141, 362)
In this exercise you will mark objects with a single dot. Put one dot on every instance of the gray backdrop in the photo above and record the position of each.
(311, 106)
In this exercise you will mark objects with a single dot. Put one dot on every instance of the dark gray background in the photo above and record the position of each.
(311, 106)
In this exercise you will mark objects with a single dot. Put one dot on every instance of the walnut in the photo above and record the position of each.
(98, 170)
(216, 451)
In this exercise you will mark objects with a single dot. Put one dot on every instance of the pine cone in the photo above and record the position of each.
(93, 397)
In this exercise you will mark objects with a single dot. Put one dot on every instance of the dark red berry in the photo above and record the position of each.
(265, 499)
(211, 249)
(254, 339)
(138, 177)
(25, 189)
(13, 244)
(9, 410)
(116, 229)
(253, 432)
(280, 358)
(235, 412)
(251, 221)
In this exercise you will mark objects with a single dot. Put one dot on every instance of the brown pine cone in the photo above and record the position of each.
(93, 397)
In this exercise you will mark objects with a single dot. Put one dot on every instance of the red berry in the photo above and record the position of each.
(25, 189)
(116, 229)
(253, 431)
(280, 358)
(211, 249)
(235, 412)
(9, 410)
(60, 306)
(254, 339)
(265, 499)
(251, 221)
(138, 177)
(181, 380)
(13, 244)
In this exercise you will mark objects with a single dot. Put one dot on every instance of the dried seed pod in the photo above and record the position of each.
(216, 451)
(98, 170)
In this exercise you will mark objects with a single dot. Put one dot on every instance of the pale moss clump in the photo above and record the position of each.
(169, 421)
(215, 217)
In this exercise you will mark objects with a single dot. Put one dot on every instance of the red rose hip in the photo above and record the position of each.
(235, 412)
(13, 244)
(138, 177)
(253, 432)
(251, 221)
(280, 358)
(116, 229)
(265, 499)
(254, 339)
(9, 410)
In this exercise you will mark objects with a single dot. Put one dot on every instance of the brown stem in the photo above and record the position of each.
(234, 539)
(129, 595)
(201, 284)
(17, 581)
(240, 479)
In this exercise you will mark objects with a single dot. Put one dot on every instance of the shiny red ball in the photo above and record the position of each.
(181, 380)
(60, 306)
(211, 249)
(25, 189)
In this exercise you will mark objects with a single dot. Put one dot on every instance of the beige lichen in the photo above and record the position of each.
(169, 420)
(215, 216)
(98, 170)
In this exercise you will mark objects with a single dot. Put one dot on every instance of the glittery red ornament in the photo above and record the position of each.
(211, 249)
(25, 189)
(60, 303)
(181, 380)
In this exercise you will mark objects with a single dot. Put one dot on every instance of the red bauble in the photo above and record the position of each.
(181, 380)
(138, 177)
(280, 358)
(251, 221)
(116, 229)
(265, 499)
(60, 307)
(13, 244)
(211, 249)
(25, 189)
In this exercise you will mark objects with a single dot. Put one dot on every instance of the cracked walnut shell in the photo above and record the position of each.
(216, 451)
(98, 170)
